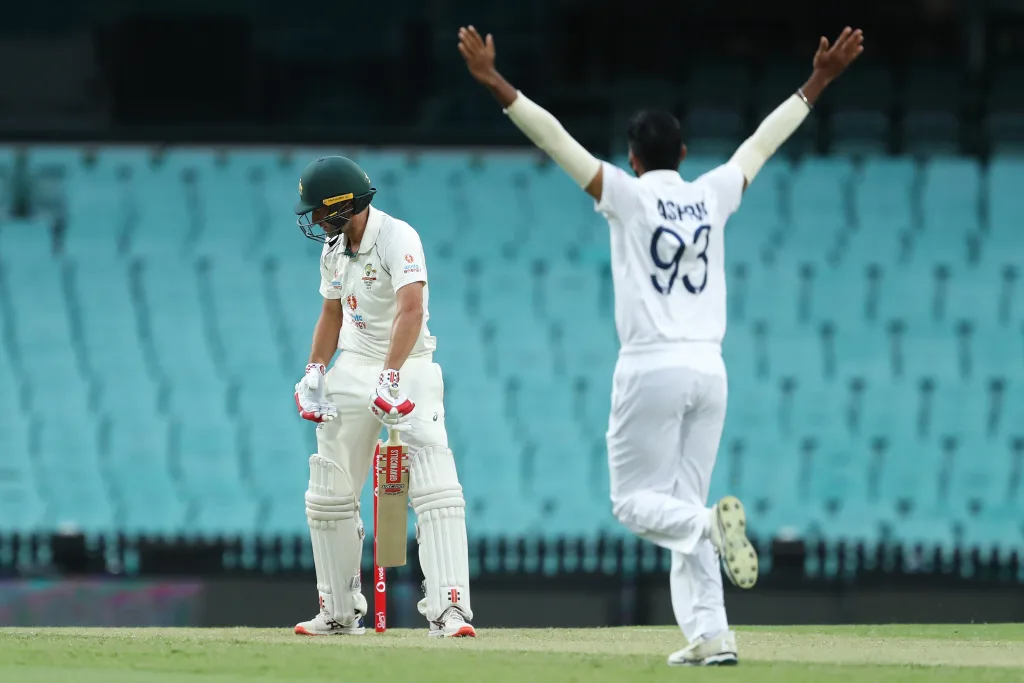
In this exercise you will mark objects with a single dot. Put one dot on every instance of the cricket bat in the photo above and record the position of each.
(390, 525)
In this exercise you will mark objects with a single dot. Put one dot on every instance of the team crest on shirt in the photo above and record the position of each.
(369, 275)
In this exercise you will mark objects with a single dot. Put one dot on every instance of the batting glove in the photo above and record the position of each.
(311, 395)
(388, 403)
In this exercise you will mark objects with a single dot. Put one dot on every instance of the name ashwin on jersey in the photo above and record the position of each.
(671, 211)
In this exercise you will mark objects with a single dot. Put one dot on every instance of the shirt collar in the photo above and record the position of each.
(374, 220)
(660, 173)
(373, 224)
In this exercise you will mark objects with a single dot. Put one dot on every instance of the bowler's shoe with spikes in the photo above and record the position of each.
(729, 536)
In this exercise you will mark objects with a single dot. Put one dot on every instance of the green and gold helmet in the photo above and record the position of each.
(331, 191)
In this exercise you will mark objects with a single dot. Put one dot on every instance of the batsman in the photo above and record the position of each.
(373, 279)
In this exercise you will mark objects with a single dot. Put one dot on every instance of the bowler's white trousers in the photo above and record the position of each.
(668, 411)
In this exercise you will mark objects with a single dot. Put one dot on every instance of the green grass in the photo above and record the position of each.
(975, 653)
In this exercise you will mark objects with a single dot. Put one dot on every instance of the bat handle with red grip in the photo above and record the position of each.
(380, 583)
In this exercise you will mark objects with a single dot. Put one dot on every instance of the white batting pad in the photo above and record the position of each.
(335, 530)
(436, 498)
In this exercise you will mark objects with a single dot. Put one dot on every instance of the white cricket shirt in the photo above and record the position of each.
(390, 257)
(668, 254)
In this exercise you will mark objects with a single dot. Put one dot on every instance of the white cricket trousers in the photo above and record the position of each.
(349, 440)
(663, 434)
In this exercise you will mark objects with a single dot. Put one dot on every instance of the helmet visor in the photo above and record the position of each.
(325, 222)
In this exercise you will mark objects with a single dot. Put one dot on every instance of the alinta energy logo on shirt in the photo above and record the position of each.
(357, 318)
(411, 266)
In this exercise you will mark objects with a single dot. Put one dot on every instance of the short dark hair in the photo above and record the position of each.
(656, 139)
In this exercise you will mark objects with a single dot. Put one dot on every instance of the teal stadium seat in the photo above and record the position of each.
(820, 187)
(951, 193)
(773, 294)
(179, 331)
(206, 464)
(739, 351)
(958, 408)
(994, 350)
(922, 276)
(20, 505)
(882, 198)
(1011, 408)
(1004, 205)
(102, 296)
(428, 195)
(137, 467)
(838, 484)
(890, 407)
(796, 355)
(458, 342)
(21, 509)
(69, 468)
(296, 303)
(820, 409)
(40, 324)
(846, 287)
(234, 288)
(167, 217)
(929, 350)
(763, 468)
(26, 241)
(875, 346)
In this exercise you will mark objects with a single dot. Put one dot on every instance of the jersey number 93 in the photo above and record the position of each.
(672, 239)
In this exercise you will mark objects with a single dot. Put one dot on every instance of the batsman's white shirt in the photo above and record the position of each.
(668, 254)
(390, 256)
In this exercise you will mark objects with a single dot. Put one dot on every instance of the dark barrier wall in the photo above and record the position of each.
(281, 603)
(161, 70)
(243, 583)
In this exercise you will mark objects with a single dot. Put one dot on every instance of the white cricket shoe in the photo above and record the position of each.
(452, 624)
(324, 623)
(729, 536)
(717, 651)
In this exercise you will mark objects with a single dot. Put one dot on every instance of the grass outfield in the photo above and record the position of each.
(768, 655)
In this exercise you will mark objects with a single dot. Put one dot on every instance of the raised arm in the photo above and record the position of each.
(829, 63)
(541, 127)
